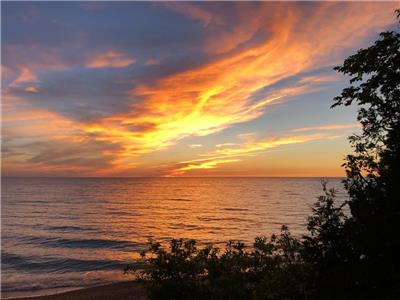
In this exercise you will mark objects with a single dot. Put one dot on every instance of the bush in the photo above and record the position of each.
(185, 271)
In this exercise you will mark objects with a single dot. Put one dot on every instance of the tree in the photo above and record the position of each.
(373, 170)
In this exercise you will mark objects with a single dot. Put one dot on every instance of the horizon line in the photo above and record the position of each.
(173, 177)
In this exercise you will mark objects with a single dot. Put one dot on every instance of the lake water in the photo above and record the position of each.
(65, 233)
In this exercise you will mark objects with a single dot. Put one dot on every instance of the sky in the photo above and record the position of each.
(179, 88)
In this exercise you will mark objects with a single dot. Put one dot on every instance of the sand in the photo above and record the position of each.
(131, 290)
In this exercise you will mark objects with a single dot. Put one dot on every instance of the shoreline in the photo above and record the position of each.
(117, 291)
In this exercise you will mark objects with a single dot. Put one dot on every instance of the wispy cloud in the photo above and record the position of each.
(194, 146)
(25, 75)
(109, 59)
(261, 145)
(209, 164)
(225, 145)
(220, 94)
(31, 89)
(192, 11)
(224, 155)
(44, 142)
(327, 127)
(234, 152)
(245, 51)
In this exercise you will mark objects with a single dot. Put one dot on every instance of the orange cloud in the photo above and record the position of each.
(210, 164)
(22, 120)
(222, 92)
(261, 145)
(27, 80)
(217, 95)
(230, 155)
(109, 59)
(25, 75)
(45, 142)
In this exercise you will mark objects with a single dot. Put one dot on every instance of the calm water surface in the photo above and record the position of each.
(73, 232)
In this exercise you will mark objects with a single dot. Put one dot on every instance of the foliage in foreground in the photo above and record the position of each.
(186, 272)
(343, 256)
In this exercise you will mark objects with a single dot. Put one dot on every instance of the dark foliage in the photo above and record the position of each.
(237, 272)
(373, 170)
(345, 255)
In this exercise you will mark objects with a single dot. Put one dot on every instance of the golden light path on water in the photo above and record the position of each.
(66, 232)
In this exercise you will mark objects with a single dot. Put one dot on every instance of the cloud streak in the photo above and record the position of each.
(109, 59)
(210, 164)
(225, 155)
(239, 60)
(219, 94)
(328, 127)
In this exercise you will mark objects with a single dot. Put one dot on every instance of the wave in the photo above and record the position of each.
(41, 264)
(185, 226)
(235, 209)
(218, 219)
(53, 242)
(69, 228)
(180, 199)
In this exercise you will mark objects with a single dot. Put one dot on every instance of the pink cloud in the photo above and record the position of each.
(25, 75)
(109, 59)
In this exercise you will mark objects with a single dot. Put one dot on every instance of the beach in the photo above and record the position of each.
(116, 291)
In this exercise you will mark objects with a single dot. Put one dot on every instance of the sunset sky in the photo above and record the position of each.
(179, 88)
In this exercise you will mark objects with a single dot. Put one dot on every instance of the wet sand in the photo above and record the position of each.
(131, 290)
